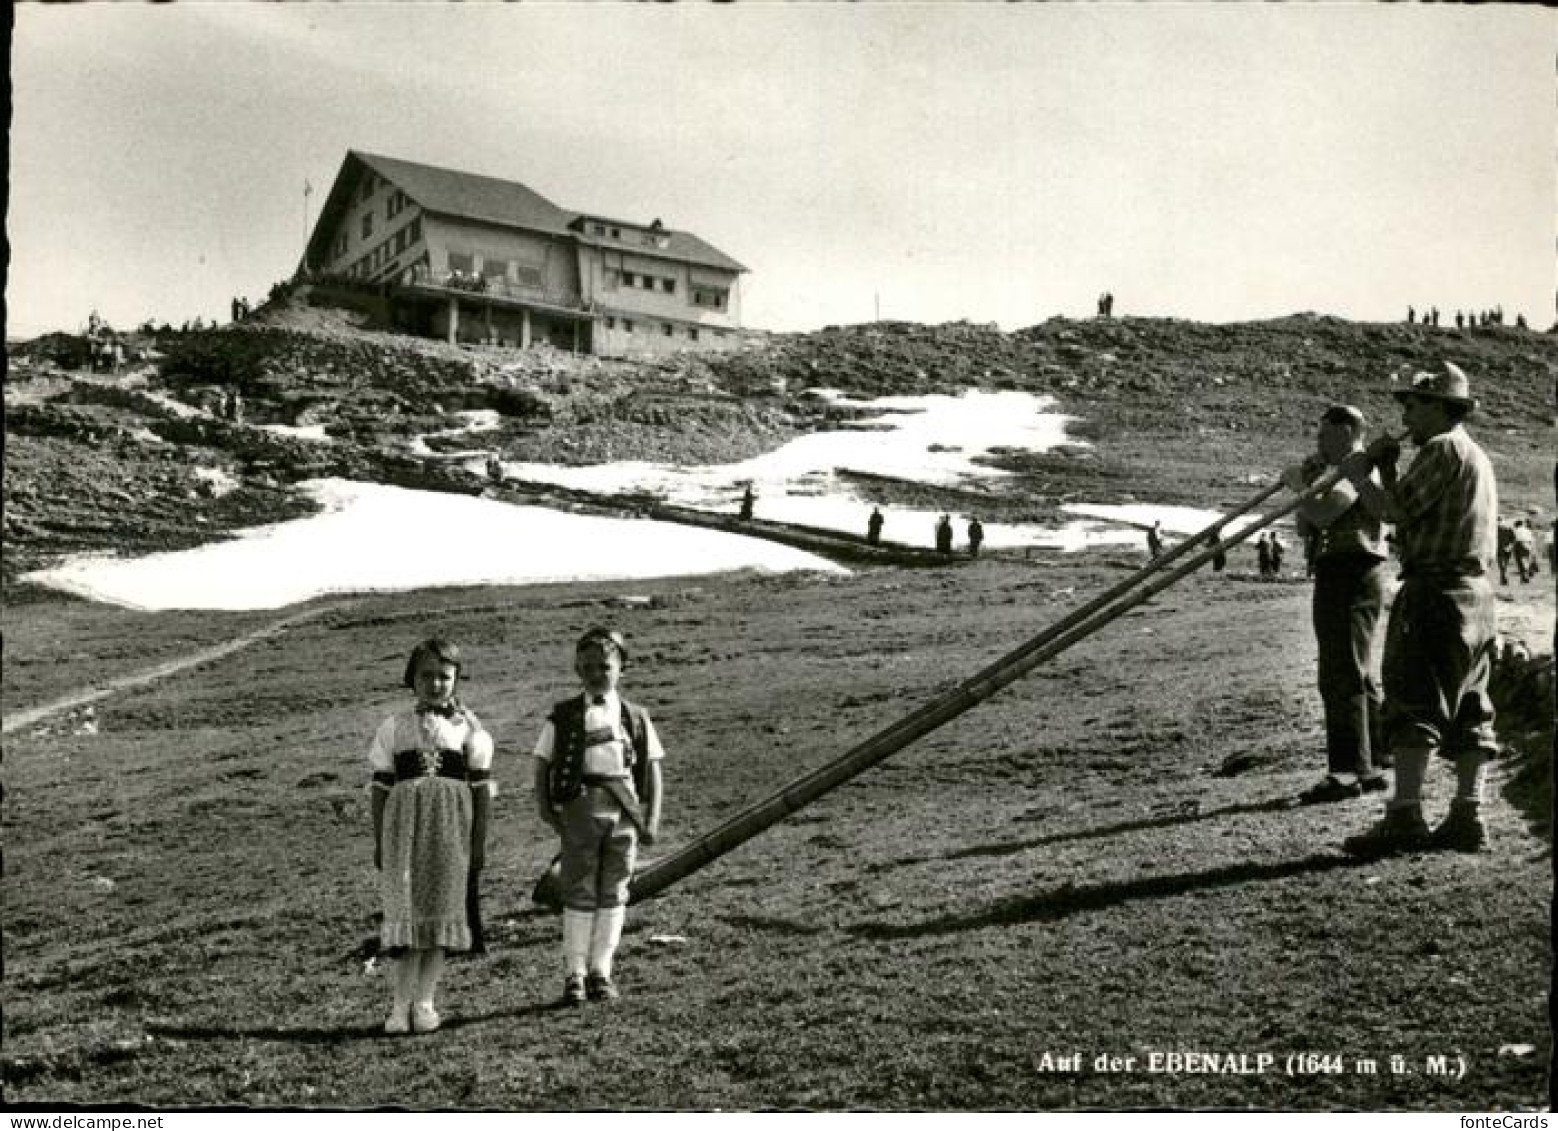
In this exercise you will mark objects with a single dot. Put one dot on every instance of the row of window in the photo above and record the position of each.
(667, 329)
(711, 297)
(641, 280)
(653, 238)
(381, 256)
(525, 274)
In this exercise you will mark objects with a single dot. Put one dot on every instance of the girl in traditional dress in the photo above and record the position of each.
(432, 786)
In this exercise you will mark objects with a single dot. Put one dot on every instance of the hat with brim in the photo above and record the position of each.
(1449, 384)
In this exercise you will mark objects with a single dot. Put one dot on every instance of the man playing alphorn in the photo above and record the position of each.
(1440, 640)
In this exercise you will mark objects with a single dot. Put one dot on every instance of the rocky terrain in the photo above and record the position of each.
(1167, 412)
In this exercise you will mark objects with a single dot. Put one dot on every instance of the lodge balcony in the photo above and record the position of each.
(499, 292)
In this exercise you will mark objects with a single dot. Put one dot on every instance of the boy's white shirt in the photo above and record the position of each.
(603, 758)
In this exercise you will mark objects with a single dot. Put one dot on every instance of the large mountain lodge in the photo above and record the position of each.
(476, 259)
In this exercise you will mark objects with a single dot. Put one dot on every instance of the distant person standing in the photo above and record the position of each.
(1277, 552)
(1524, 550)
(1349, 596)
(748, 502)
(976, 536)
(944, 535)
(1155, 541)
(1219, 558)
(874, 527)
(1506, 550)
(1411, 316)
(1443, 625)
(1263, 556)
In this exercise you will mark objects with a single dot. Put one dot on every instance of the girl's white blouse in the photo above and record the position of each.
(411, 731)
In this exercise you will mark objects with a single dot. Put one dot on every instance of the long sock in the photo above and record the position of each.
(1469, 777)
(576, 939)
(1411, 769)
(604, 938)
(404, 979)
(429, 971)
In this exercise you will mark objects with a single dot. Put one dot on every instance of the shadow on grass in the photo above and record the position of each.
(765, 923)
(1069, 899)
(1011, 848)
(338, 1034)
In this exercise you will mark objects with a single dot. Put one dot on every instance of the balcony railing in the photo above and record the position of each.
(462, 282)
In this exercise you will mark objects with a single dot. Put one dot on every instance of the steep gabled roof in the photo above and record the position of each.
(470, 196)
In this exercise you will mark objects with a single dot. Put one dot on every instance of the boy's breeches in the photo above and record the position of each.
(600, 847)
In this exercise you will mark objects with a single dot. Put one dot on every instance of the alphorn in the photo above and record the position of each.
(1075, 626)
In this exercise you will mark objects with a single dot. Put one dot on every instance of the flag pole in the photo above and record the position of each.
(307, 189)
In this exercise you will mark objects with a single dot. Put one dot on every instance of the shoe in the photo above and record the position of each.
(1461, 830)
(600, 987)
(424, 1018)
(1400, 830)
(1328, 789)
(1374, 783)
(573, 990)
(398, 1022)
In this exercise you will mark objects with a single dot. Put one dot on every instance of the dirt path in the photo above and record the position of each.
(19, 720)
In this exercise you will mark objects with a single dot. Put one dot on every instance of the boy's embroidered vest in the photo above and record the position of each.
(565, 777)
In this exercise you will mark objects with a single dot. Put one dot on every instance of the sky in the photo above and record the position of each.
(921, 161)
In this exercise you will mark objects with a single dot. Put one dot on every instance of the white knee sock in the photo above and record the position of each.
(1411, 769)
(576, 939)
(604, 938)
(404, 979)
(1469, 777)
(429, 971)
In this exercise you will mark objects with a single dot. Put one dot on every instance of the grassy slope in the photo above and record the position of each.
(1056, 871)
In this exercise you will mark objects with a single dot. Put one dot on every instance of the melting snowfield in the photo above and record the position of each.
(373, 537)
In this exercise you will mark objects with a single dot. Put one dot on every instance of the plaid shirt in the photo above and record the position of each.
(1448, 503)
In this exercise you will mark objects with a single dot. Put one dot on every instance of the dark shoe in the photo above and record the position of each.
(1374, 783)
(1400, 830)
(573, 990)
(1461, 830)
(1329, 789)
(601, 988)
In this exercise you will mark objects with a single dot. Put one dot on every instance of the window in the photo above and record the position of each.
(494, 268)
(616, 233)
(611, 323)
(667, 329)
(710, 297)
(367, 224)
(692, 333)
(461, 261)
(415, 229)
(627, 324)
(668, 286)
